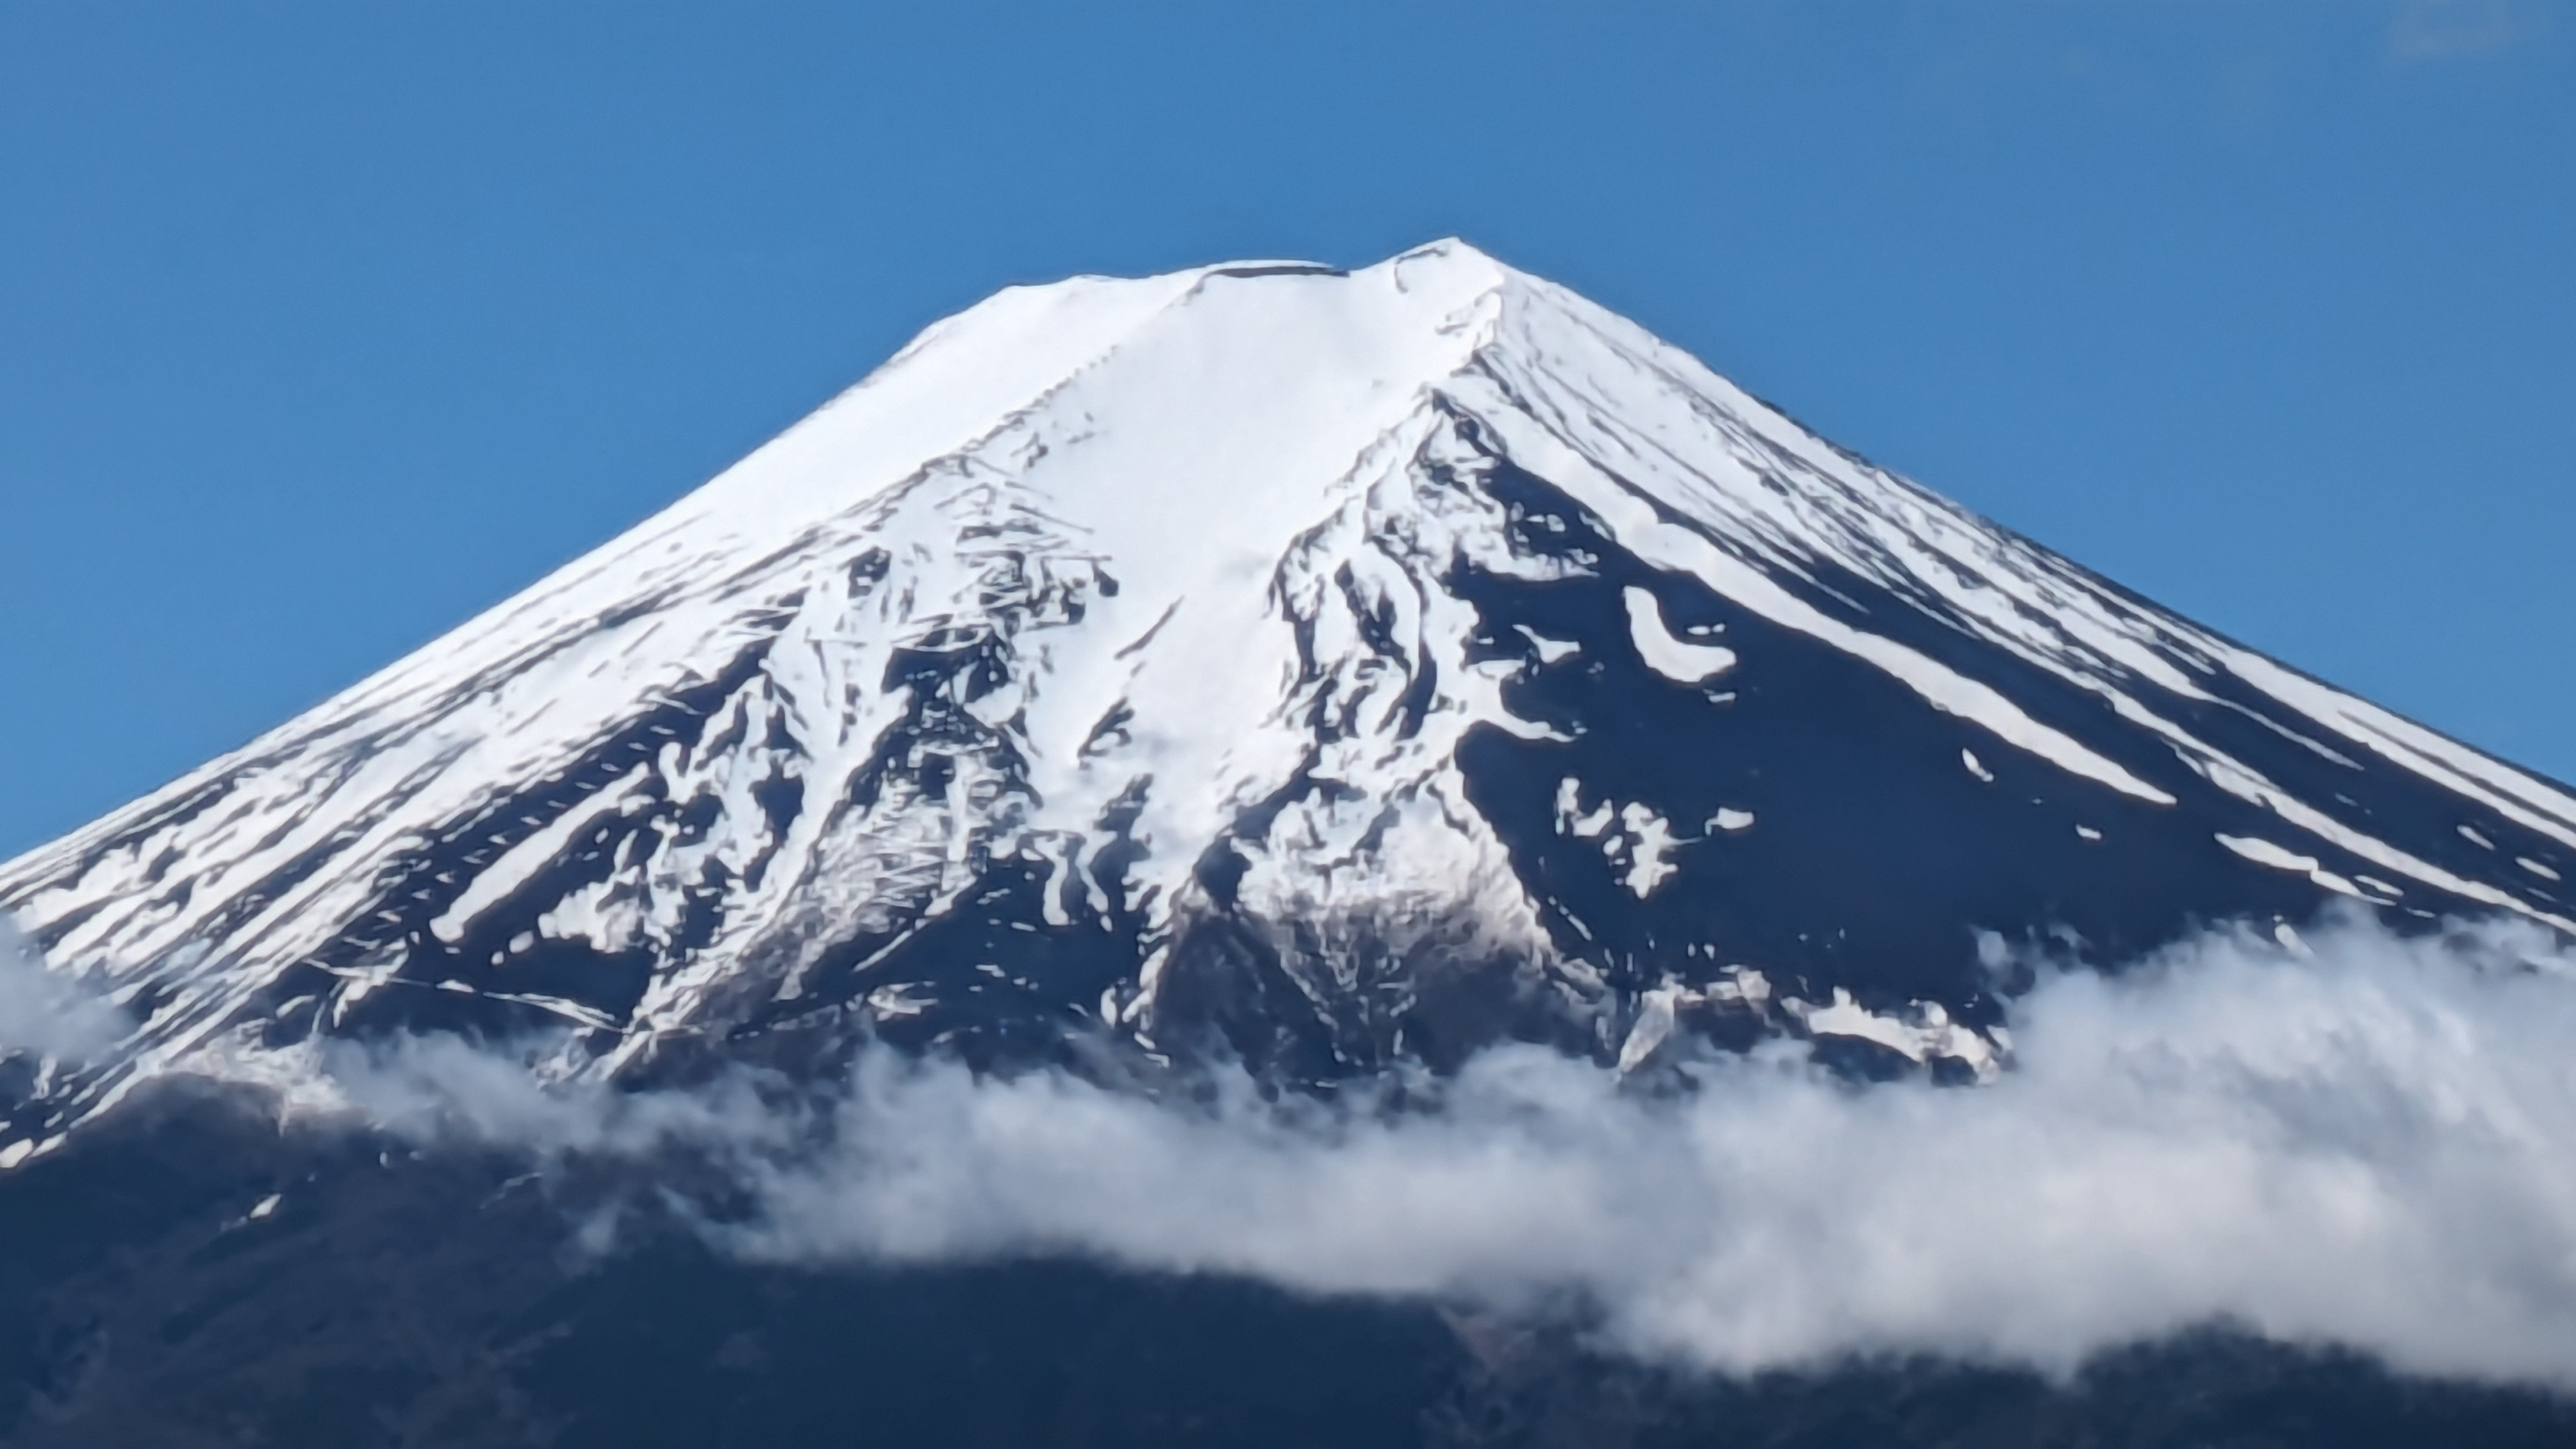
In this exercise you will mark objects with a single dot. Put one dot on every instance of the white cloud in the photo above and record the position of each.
(48, 1012)
(2373, 1143)
(2423, 30)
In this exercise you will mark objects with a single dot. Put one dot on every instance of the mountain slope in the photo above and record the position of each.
(1358, 667)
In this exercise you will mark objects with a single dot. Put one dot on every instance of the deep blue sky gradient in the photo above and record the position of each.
(324, 326)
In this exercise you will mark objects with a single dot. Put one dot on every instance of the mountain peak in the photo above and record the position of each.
(1360, 666)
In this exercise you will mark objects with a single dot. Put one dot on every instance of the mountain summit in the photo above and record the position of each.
(1342, 669)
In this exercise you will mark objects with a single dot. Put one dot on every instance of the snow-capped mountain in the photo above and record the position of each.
(1360, 666)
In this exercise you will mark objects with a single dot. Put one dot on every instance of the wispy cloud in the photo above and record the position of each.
(2427, 30)
(47, 1012)
(2373, 1144)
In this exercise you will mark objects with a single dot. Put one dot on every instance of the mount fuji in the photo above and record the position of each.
(1330, 674)
(1343, 669)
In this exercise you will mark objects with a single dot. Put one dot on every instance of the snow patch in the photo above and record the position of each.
(1674, 658)
(1549, 650)
(1930, 1034)
(1658, 1008)
(1572, 819)
(2264, 852)
(1650, 843)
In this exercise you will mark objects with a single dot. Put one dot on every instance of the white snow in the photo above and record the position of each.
(1573, 819)
(503, 877)
(1653, 1025)
(2264, 852)
(1549, 650)
(1651, 843)
(890, 1002)
(1932, 1034)
(1672, 657)
(1642, 846)
(1657, 1007)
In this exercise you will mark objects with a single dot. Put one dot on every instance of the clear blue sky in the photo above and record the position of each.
(323, 326)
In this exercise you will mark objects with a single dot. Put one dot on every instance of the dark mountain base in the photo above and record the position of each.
(391, 1300)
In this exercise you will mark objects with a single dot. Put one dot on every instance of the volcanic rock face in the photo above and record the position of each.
(1349, 668)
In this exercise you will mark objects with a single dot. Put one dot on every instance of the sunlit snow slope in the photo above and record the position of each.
(1346, 667)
